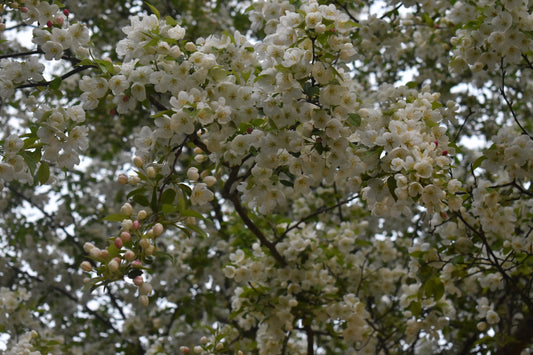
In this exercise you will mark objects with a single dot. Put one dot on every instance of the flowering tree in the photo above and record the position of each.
(275, 177)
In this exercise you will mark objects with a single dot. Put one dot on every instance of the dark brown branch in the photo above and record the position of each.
(495, 263)
(316, 213)
(20, 54)
(63, 77)
(243, 213)
(509, 103)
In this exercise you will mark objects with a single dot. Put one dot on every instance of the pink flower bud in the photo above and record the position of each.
(49, 24)
(444, 152)
(185, 350)
(118, 243)
(104, 254)
(122, 179)
(136, 264)
(125, 236)
(24, 9)
(60, 20)
(129, 255)
(66, 12)
(136, 225)
(125, 98)
(138, 281)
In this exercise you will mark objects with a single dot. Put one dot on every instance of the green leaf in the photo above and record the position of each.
(435, 105)
(415, 308)
(478, 161)
(171, 21)
(168, 196)
(115, 217)
(192, 213)
(354, 119)
(43, 173)
(154, 10)
(30, 160)
(412, 84)
(56, 83)
(141, 200)
(391, 183)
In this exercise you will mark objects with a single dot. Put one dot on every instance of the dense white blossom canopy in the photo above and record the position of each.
(221, 177)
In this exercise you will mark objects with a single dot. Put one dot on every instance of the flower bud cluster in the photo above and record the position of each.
(127, 253)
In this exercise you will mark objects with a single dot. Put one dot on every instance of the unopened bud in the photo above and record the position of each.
(210, 180)
(185, 349)
(66, 12)
(219, 346)
(192, 174)
(129, 255)
(86, 266)
(88, 247)
(200, 158)
(134, 179)
(136, 264)
(150, 250)
(104, 254)
(158, 229)
(189, 46)
(145, 288)
(127, 224)
(60, 20)
(138, 162)
(144, 300)
(138, 281)
(126, 209)
(204, 340)
(198, 349)
(142, 215)
(150, 172)
(118, 243)
(113, 265)
(144, 243)
(125, 236)
(95, 252)
(122, 179)
(136, 224)
(24, 9)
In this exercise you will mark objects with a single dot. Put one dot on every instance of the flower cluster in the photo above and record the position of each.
(491, 35)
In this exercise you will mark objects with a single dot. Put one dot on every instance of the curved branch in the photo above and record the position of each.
(63, 77)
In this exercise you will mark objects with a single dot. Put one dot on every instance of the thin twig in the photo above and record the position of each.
(509, 103)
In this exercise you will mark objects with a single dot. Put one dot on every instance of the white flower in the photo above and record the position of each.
(52, 50)
(13, 144)
(201, 194)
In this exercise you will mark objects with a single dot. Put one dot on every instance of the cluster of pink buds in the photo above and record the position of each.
(127, 252)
